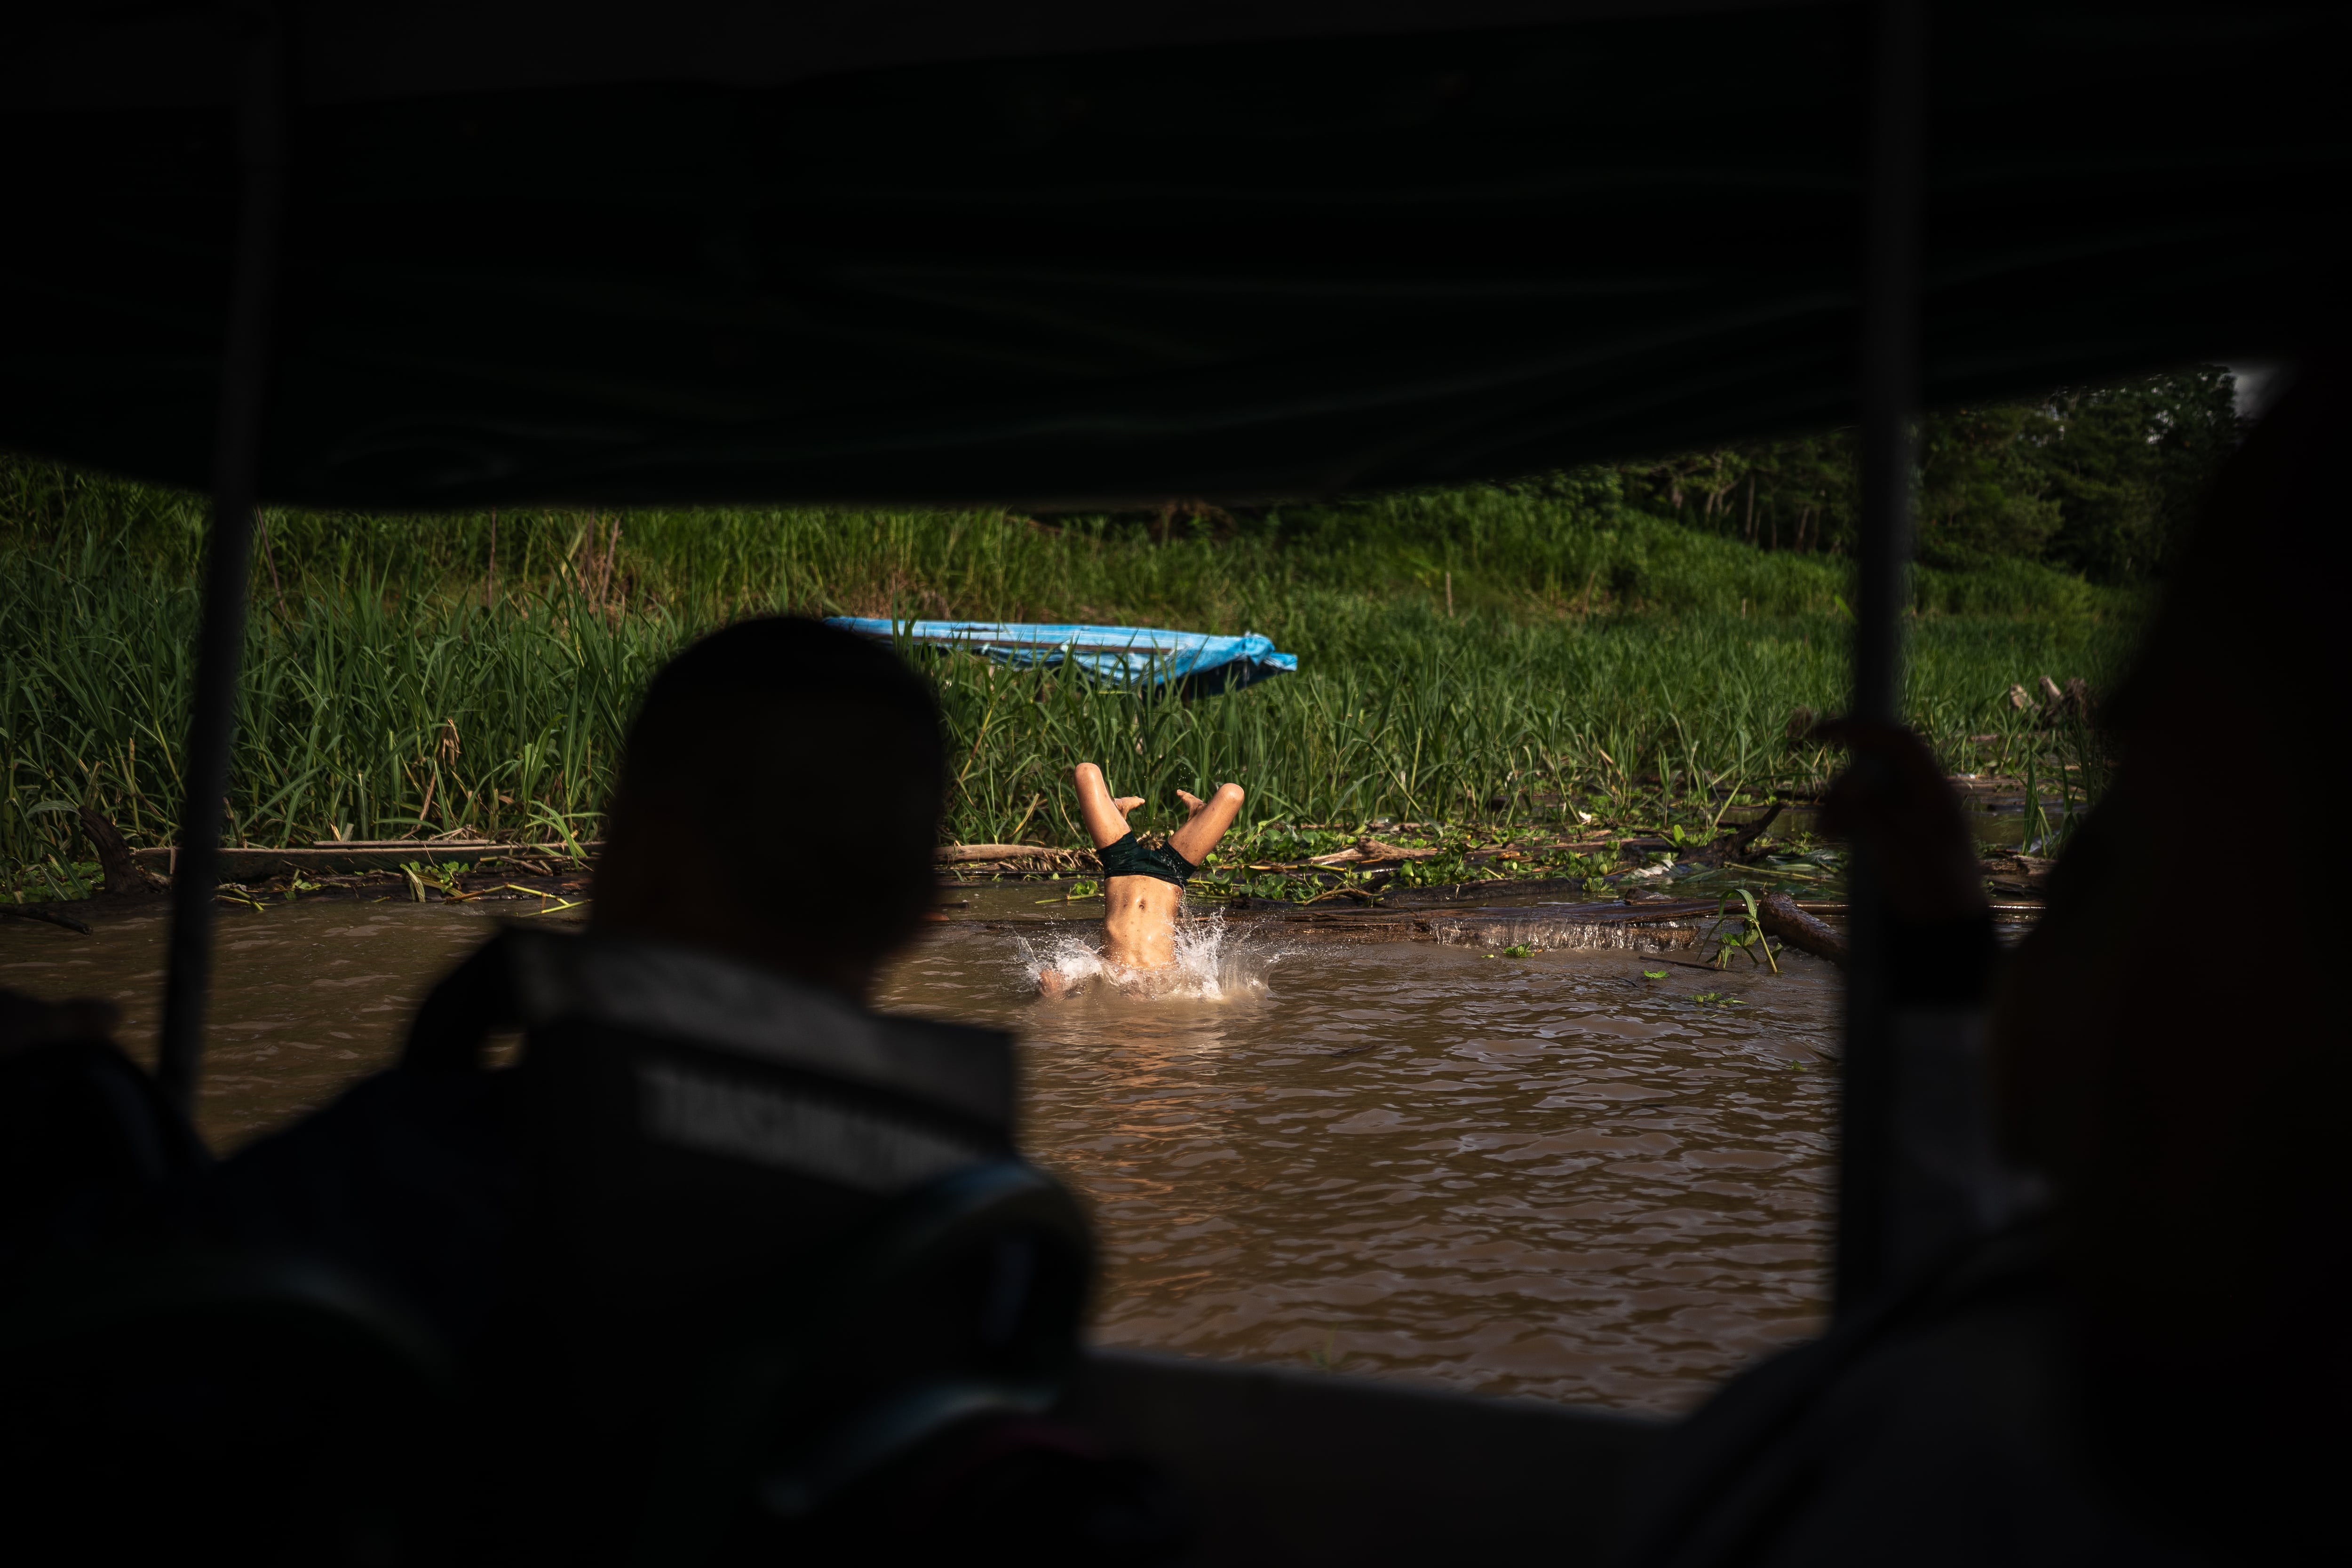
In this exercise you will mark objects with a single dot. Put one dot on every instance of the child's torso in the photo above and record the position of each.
(1139, 921)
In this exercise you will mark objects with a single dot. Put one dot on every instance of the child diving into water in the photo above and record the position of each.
(1143, 886)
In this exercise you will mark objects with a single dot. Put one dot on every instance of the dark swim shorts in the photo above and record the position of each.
(1129, 857)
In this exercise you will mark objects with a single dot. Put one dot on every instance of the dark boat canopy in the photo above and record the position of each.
(1072, 254)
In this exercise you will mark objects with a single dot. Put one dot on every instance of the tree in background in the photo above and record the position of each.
(1984, 487)
(2097, 480)
(2092, 483)
(2129, 464)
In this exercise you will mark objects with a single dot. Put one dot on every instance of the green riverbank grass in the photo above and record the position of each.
(397, 681)
(1570, 546)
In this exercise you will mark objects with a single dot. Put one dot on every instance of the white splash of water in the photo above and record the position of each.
(1211, 965)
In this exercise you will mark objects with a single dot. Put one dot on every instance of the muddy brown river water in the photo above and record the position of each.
(1546, 1176)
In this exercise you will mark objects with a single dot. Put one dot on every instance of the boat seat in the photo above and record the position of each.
(189, 1406)
(693, 1125)
(774, 1244)
(960, 1303)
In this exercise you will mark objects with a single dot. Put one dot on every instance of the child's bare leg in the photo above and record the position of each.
(1105, 818)
(1209, 821)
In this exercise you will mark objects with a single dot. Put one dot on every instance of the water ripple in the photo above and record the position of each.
(1545, 1176)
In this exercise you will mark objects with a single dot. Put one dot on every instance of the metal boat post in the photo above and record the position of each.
(262, 105)
(1888, 384)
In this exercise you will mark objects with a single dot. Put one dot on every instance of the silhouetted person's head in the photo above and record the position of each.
(780, 802)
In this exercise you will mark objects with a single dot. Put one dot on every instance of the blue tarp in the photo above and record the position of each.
(1125, 654)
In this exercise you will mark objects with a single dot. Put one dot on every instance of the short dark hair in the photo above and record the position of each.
(811, 759)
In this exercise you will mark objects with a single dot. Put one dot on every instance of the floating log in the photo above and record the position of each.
(1780, 917)
(1454, 893)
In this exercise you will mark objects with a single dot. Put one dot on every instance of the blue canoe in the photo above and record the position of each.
(1127, 655)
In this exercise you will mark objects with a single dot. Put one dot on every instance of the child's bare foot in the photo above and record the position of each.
(1205, 822)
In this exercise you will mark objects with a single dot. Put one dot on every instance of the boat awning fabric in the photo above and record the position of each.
(1124, 655)
(1061, 255)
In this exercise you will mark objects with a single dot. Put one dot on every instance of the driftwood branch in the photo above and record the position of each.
(1780, 917)
(966, 854)
(1365, 850)
(124, 875)
(1735, 845)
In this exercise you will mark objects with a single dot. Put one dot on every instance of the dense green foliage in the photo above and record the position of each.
(1571, 545)
(400, 676)
(2096, 481)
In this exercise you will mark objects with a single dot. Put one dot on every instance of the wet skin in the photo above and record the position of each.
(1139, 921)
(1140, 914)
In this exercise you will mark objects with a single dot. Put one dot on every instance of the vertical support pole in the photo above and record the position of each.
(1889, 390)
(228, 553)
